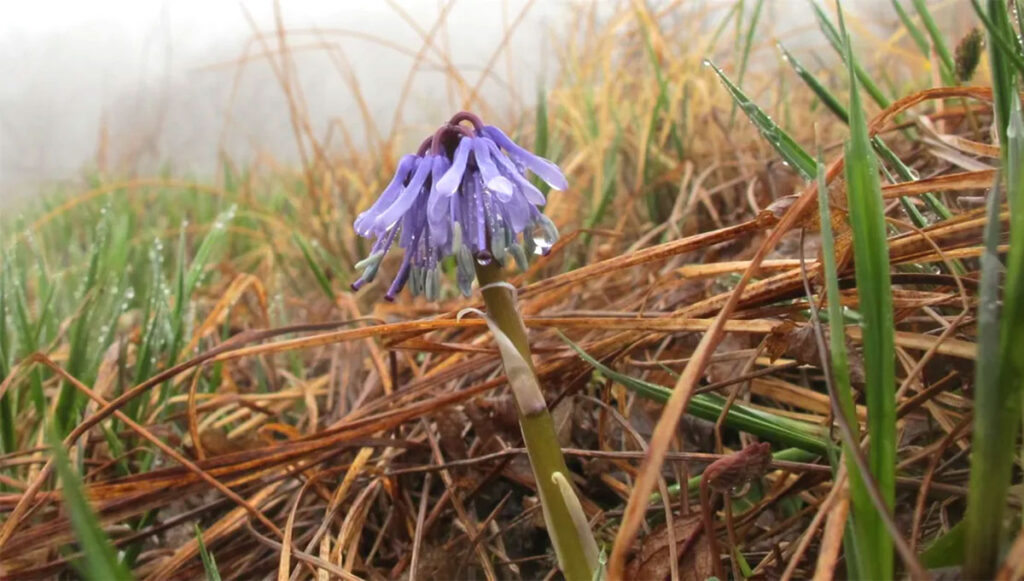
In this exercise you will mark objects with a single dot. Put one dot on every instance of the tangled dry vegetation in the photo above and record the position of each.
(382, 443)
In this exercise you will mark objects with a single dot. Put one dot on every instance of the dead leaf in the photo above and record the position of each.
(798, 342)
(777, 342)
(651, 561)
(562, 416)
(736, 470)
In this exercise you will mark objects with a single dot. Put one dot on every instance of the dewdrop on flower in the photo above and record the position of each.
(464, 193)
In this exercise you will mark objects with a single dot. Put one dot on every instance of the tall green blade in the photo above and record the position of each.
(748, 42)
(834, 38)
(938, 41)
(990, 472)
(209, 563)
(101, 562)
(863, 510)
(998, 395)
(710, 406)
(912, 29)
(871, 259)
(789, 149)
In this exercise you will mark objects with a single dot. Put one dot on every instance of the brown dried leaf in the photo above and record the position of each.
(651, 561)
(738, 469)
(777, 342)
(797, 342)
(449, 428)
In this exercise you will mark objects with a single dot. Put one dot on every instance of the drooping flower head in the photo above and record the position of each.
(464, 193)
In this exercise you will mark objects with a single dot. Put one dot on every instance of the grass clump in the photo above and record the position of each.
(218, 390)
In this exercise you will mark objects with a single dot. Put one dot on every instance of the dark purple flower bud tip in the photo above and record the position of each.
(461, 116)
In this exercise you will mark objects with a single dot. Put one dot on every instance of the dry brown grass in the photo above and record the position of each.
(387, 447)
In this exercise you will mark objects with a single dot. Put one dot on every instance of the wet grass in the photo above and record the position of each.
(223, 405)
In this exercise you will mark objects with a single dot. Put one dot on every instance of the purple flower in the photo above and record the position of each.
(464, 194)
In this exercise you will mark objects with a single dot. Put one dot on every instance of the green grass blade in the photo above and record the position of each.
(821, 91)
(1000, 35)
(905, 173)
(871, 258)
(861, 506)
(947, 550)
(834, 38)
(541, 139)
(748, 42)
(1018, 10)
(8, 441)
(722, 24)
(79, 334)
(607, 187)
(314, 265)
(1012, 336)
(789, 149)
(990, 470)
(837, 108)
(101, 562)
(709, 407)
(187, 280)
(912, 29)
(997, 401)
(938, 41)
(209, 563)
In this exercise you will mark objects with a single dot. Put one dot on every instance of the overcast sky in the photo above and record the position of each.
(147, 72)
(136, 83)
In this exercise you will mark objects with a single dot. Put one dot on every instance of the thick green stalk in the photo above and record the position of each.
(538, 434)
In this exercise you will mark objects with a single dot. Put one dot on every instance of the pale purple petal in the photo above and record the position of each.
(532, 194)
(450, 181)
(406, 199)
(364, 223)
(438, 204)
(493, 180)
(544, 169)
(482, 252)
(517, 212)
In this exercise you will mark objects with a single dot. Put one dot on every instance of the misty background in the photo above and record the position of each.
(134, 87)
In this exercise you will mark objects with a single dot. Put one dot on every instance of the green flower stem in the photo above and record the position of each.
(538, 434)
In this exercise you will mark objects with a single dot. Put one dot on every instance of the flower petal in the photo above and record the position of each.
(517, 213)
(493, 180)
(533, 195)
(400, 278)
(364, 223)
(544, 169)
(450, 181)
(480, 218)
(405, 200)
(439, 204)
